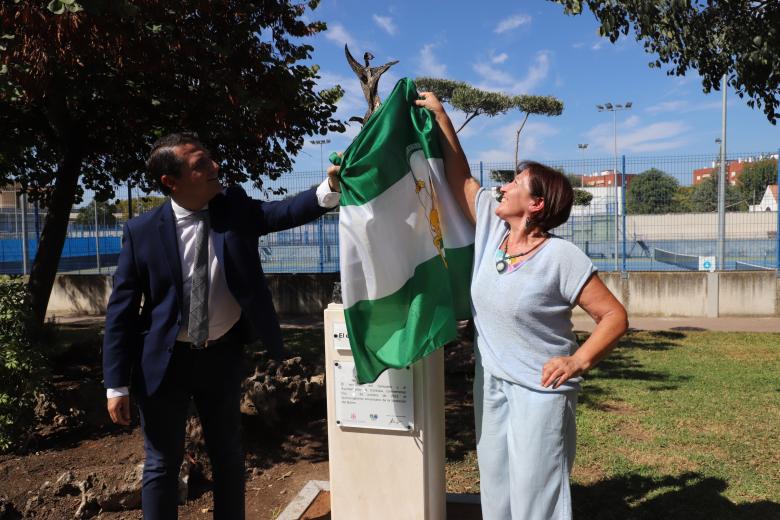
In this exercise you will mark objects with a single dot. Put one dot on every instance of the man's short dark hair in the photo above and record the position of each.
(552, 186)
(162, 159)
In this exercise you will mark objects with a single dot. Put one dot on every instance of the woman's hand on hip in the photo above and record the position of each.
(558, 370)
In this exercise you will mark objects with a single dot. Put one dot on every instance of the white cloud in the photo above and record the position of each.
(428, 65)
(681, 106)
(532, 138)
(386, 84)
(498, 135)
(598, 45)
(493, 75)
(498, 80)
(500, 58)
(353, 102)
(386, 23)
(495, 155)
(513, 22)
(666, 106)
(339, 35)
(578, 45)
(633, 137)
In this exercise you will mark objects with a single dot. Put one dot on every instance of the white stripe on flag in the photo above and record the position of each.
(378, 256)
(458, 231)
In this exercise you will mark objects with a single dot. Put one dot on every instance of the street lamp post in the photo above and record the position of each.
(722, 184)
(321, 142)
(582, 147)
(609, 107)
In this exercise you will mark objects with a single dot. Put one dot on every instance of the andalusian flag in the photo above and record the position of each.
(406, 249)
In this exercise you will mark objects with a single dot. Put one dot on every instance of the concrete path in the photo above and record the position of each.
(580, 323)
(724, 324)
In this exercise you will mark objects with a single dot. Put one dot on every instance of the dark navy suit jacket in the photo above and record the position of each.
(145, 309)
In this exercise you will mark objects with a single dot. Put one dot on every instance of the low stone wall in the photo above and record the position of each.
(742, 293)
(294, 294)
(696, 294)
(79, 295)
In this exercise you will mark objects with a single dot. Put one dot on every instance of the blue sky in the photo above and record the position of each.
(529, 47)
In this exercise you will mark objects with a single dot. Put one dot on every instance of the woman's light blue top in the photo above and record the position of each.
(522, 317)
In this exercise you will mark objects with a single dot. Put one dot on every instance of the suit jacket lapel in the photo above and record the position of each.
(167, 227)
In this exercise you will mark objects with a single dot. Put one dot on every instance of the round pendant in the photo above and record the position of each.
(501, 266)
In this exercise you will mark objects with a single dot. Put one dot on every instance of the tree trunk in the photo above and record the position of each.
(55, 229)
(517, 142)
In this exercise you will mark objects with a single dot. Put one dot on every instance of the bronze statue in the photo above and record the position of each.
(369, 81)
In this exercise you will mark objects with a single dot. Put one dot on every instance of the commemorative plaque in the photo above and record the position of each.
(386, 404)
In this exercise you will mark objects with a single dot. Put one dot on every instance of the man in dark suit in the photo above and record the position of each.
(188, 293)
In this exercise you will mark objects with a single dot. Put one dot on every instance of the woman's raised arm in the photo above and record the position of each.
(463, 186)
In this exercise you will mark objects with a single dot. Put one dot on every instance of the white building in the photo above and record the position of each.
(768, 201)
(603, 202)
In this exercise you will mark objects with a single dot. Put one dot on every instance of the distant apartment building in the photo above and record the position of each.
(734, 169)
(604, 179)
(8, 196)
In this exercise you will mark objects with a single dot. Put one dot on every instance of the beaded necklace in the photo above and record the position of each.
(505, 261)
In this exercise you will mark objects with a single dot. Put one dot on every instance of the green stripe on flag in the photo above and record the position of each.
(403, 327)
(374, 166)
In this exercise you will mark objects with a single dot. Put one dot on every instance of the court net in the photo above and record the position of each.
(747, 266)
(690, 262)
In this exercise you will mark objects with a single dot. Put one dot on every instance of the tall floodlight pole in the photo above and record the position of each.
(25, 251)
(582, 147)
(321, 142)
(609, 107)
(97, 238)
(722, 186)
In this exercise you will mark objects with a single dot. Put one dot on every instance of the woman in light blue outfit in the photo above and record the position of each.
(525, 283)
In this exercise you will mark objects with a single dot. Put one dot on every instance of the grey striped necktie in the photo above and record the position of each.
(198, 326)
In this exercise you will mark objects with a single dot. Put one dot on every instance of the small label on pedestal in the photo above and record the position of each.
(340, 336)
(386, 404)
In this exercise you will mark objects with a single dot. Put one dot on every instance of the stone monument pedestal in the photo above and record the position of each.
(385, 439)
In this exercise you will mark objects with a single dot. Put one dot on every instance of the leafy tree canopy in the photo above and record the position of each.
(755, 177)
(713, 37)
(582, 197)
(651, 192)
(87, 85)
(475, 102)
(704, 197)
(681, 200)
(105, 215)
(140, 205)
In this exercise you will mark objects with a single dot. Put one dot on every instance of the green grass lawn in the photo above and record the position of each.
(676, 425)
(673, 425)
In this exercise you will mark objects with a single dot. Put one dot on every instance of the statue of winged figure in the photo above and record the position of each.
(369, 81)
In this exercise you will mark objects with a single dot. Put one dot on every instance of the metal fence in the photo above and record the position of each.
(669, 230)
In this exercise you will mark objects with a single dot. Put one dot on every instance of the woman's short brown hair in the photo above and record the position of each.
(552, 186)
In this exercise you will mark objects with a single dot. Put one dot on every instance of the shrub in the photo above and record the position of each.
(22, 363)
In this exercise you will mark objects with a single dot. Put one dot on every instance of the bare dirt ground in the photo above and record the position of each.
(76, 436)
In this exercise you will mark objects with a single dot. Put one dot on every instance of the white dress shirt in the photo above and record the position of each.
(224, 310)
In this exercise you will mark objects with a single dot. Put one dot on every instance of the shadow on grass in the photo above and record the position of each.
(459, 426)
(684, 497)
(459, 395)
(621, 364)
